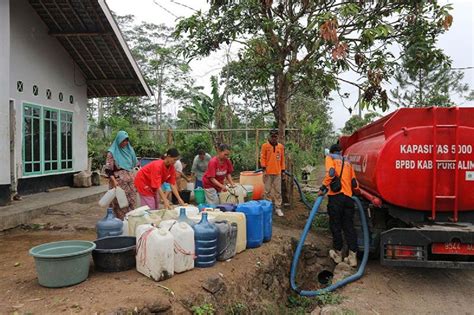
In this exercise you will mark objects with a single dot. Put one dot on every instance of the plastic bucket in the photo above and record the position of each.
(64, 263)
(115, 253)
(199, 196)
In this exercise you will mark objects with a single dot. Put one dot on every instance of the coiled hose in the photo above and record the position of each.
(294, 263)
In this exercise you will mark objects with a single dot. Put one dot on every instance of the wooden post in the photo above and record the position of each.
(170, 137)
(257, 149)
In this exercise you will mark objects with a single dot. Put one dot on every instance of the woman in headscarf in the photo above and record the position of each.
(121, 161)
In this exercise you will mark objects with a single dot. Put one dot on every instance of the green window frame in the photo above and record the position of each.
(66, 143)
(47, 140)
(32, 135)
(50, 140)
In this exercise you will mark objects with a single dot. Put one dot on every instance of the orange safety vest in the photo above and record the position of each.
(272, 158)
(348, 179)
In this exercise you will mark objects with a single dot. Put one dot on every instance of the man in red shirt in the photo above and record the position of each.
(151, 177)
(218, 170)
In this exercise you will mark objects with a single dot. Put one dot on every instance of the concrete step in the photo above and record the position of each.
(32, 206)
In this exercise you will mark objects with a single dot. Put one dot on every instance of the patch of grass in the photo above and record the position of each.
(321, 221)
(203, 309)
(299, 301)
(237, 309)
(329, 298)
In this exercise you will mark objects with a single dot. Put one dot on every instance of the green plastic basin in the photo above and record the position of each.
(64, 263)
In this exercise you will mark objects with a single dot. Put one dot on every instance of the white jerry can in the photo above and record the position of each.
(183, 244)
(125, 226)
(155, 252)
(136, 217)
(239, 218)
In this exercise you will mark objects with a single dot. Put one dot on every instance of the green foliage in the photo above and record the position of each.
(242, 156)
(203, 309)
(321, 221)
(356, 122)
(300, 304)
(329, 298)
(238, 308)
(189, 144)
(284, 46)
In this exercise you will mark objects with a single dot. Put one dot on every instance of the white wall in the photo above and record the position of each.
(39, 59)
(4, 92)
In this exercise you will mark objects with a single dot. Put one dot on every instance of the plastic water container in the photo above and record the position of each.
(190, 210)
(239, 219)
(233, 195)
(199, 195)
(109, 225)
(203, 206)
(226, 239)
(184, 218)
(254, 216)
(211, 216)
(107, 198)
(205, 239)
(267, 208)
(155, 252)
(137, 217)
(183, 235)
(225, 207)
(254, 179)
(125, 226)
(121, 197)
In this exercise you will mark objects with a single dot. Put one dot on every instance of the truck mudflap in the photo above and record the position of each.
(440, 245)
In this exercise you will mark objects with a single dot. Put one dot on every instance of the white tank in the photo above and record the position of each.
(233, 195)
(190, 210)
(183, 244)
(137, 217)
(155, 252)
(239, 218)
(125, 226)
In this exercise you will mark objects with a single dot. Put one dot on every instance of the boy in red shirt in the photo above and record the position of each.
(218, 170)
(150, 178)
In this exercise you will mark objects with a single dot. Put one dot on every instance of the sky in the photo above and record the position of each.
(458, 43)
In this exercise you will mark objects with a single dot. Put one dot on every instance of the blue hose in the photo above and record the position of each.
(354, 277)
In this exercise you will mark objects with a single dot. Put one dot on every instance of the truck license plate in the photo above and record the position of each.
(452, 248)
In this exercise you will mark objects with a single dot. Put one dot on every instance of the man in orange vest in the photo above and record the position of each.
(340, 183)
(272, 161)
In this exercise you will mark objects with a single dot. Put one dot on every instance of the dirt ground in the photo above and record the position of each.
(255, 281)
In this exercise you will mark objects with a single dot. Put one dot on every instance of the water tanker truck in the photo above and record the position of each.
(415, 167)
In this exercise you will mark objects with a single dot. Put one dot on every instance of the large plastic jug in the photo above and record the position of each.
(199, 195)
(211, 216)
(183, 244)
(109, 225)
(190, 210)
(184, 218)
(239, 219)
(203, 206)
(267, 208)
(137, 217)
(107, 198)
(125, 226)
(254, 179)
(121, 198)
(226, 239)
(254, 216)
(155, 252)
(205, 239)
(234, 195)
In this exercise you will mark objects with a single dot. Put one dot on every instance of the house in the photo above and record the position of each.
(54, 55)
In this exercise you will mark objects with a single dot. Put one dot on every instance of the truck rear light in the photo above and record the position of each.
(403, 252)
